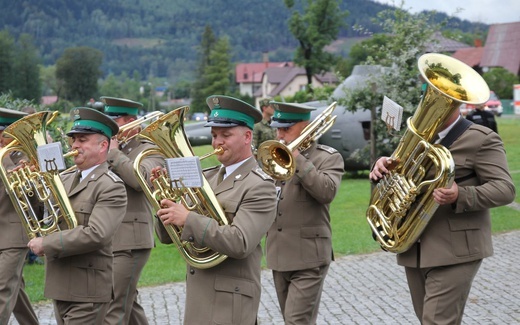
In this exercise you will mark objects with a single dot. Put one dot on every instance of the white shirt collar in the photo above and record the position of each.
(86, 172)
(231, 168)
(444, 132)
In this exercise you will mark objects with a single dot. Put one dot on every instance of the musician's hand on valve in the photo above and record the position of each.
(36, 246)
(172, 213)
(381, 167)
(446, 195)
(114, 144)
(156, 173)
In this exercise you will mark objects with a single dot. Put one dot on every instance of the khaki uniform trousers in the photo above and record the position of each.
(299, 294)
(439, 294)
(13, 299)
(124, 308)
(79, 313)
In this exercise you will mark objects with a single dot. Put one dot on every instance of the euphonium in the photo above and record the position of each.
(401, 204)
(167, 133)
(28, 187)
(276, 158)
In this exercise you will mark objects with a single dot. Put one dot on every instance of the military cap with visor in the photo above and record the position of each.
(117, 107)
(88, 120)
(228, 112)
(286, 115)
(9, 116)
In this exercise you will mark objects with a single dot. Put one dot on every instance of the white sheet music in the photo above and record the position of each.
(392, 113)
(185, 170)
(50, 157)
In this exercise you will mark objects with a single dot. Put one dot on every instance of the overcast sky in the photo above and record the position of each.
(481, 11)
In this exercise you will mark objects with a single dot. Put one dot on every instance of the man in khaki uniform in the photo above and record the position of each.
(441, 265)
(299, 243)
(13, 241)
(134, 239)
(78, 275)
(228, 293)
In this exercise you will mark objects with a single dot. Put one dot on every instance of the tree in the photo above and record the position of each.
(79, 69)
(501, 81)
(408, 36)
(27, 83)
(218, 72)
(6, 61)
(316, 28)
(207, 43)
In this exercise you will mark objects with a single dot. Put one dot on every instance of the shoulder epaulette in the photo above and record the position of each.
(262, 174)
(114, 176)
(327, 148)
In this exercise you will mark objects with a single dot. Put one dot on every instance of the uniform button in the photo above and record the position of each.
(192, 271)
(55, 256)
(279, 213)
(297, 171)
(135, 219)
(317, 235)
(237, 289)
(89, 264)
(281, 197)
(283, 182)
(279, 229)
(191, 239)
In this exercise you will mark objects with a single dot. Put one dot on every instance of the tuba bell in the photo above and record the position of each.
(401, 204)
(167, 133)
(276, 158)
(30, 187)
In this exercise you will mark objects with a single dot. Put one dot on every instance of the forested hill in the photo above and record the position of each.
(160, 37)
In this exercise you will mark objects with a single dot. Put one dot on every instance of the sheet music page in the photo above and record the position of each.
(185, 170)
(50, 157)
(392, 113)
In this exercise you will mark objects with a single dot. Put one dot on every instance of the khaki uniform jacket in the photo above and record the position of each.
(461, 232)
(229, 293)
(301, 236)
(12, 233)
(136, 230)
(79, 261)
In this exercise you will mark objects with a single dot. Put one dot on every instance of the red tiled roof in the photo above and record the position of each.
(470, 55)
(503, 47)
(245, 72)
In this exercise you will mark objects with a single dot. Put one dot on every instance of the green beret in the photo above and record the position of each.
(286, 115)
(88, 120)
(229, 112)
(117, 107)
(9, 116)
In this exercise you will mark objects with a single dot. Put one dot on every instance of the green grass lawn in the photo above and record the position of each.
(351, 233)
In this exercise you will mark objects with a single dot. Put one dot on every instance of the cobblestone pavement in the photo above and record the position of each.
(365, 289)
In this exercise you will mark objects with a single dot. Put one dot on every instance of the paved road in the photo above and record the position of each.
(365, 289)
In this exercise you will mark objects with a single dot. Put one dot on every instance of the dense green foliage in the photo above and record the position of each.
(159, 38)
(501, 81)
(315, 27)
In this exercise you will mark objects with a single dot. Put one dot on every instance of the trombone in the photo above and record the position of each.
(277, 159)
(123, 135)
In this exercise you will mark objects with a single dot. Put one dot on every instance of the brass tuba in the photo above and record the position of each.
(401, 204)
(27, 187)
(276, 158)
(167, 132)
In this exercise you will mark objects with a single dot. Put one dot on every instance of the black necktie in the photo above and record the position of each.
(77, 179)
(221, 174)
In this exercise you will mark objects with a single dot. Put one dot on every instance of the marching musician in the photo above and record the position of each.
(78, 275)
(299, 245)
(228, 293)
(13, 240)
(133, 241)
(441, 265)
